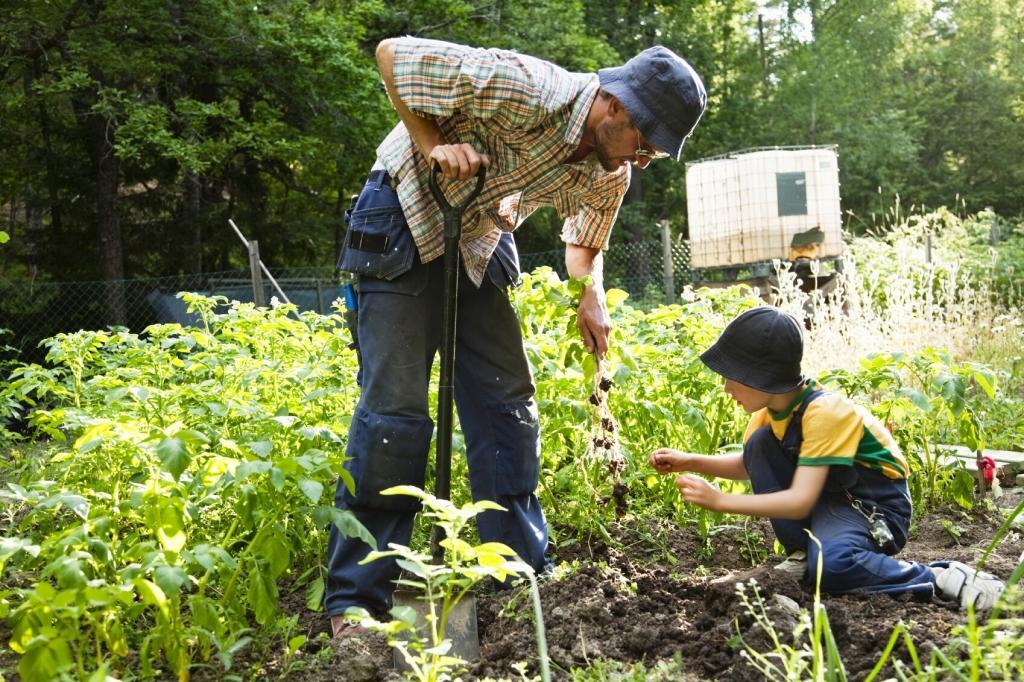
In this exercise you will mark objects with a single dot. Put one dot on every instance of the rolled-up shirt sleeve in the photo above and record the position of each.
(436, 78)
(591, 226)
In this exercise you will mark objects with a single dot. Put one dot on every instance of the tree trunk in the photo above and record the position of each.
(33, 203)
(52, 181)
(106, 166)
(192, 214)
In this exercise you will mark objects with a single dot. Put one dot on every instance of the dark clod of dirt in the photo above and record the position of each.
(608, 425)
(606, 384)
(619, 493)
(595, 399)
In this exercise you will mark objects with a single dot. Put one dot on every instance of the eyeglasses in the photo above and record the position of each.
(642, 152)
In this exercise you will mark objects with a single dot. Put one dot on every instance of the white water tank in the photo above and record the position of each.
(746, 207)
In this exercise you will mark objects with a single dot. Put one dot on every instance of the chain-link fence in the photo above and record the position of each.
(636, 267)
(33, 311)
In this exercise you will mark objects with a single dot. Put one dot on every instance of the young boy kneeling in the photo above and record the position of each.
(816, 462)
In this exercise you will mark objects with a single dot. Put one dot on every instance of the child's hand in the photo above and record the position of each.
(698, 491)
(665, 461)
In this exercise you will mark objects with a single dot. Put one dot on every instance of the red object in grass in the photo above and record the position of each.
(987, 466)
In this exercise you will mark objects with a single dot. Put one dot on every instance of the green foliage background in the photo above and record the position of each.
(133, 130)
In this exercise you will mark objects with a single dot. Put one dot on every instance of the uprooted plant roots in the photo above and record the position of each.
(604, 444)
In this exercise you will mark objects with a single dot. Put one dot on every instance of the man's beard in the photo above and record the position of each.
(604, 131)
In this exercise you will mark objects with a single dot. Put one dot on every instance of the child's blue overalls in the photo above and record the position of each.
(851, 559)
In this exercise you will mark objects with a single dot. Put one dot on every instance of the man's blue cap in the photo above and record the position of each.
(664, 96)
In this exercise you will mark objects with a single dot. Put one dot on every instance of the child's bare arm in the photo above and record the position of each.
(729, 466)
(794, 503)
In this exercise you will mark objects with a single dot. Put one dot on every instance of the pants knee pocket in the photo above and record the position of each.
(517, 435)
(385, 451)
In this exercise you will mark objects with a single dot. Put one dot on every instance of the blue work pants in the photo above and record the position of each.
(399, 332)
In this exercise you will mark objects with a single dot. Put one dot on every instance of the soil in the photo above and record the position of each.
(648, 599)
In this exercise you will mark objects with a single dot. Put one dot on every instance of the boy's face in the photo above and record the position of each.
(750, 399)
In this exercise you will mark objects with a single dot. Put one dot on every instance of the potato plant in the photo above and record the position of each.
(180, 478)
(188, 477)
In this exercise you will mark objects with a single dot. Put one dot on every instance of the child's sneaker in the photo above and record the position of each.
(966, 585)
(795, 564)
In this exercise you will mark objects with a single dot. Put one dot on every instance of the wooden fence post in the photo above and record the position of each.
(667, 267)
(257, 275)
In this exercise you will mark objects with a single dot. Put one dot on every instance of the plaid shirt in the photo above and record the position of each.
(528, 116)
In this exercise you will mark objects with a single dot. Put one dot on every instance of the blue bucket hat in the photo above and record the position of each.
(664, 96)
(762, 349)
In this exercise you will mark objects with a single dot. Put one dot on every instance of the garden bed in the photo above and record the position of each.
(615, 607)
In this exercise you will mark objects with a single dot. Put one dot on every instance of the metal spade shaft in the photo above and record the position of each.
(446, 388)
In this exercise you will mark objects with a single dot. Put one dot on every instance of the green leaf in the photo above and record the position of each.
(410, 490)
(262, 595)
(274, 549)
(262, 448)
(315, 595)
(952, 390)
(68, 571)
(295, 643)
(45, 662)
(405, 614)
(11, 546)
(285, 421)
(985, 378)
(916, 397)
(614, 297)
(140, 393)
(19, 493)
(170, 578)
(350, 483)
(312, 489)
(92, 438)
(174, 455)
(589, 369)
(204, 613)
(253, 467)
(962, 488)
(209, 557)
(627, 358)
(414, 567)
(474, 508)
(351, 527)
(151, 594)
(166, 520)
(278, 478)
(76, 503)
(496, 548)
(192, 437)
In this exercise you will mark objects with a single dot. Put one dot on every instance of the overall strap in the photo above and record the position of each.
(793, 438)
